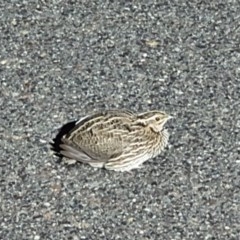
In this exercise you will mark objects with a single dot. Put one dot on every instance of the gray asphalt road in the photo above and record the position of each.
(60, 60)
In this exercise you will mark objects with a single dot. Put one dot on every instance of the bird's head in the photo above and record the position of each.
(154, 119)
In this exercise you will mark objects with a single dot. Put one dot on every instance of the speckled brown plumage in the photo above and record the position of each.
(116, 139)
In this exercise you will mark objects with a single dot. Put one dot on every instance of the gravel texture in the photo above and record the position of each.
(60, 60)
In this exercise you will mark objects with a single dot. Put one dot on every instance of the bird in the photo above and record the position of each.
(118, 140)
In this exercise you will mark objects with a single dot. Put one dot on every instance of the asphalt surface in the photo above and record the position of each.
(60, 60)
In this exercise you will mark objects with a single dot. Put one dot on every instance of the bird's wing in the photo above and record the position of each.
(102, 147)
(93, 148)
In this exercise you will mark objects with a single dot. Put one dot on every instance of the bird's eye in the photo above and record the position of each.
(157, 119)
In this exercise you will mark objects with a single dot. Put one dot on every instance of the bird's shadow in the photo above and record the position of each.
(55, 144)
